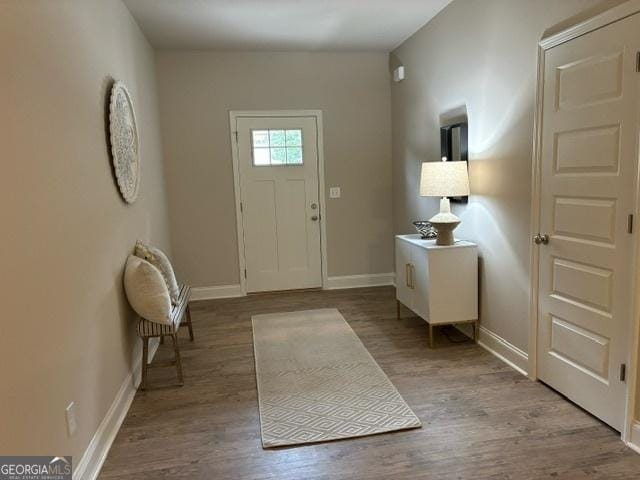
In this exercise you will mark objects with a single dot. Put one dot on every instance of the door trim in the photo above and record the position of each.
(234, 115)
(615, 14)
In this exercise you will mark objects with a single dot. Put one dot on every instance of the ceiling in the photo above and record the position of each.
(282, 25)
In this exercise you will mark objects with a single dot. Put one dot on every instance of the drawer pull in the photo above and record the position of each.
(412, 276)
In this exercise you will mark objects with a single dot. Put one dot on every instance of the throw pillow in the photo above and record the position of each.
(147, 291)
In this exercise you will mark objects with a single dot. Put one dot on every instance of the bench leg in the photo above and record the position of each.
(189, 324)
(161, 339)
(431, 342)
(145, 360)
(176, 350)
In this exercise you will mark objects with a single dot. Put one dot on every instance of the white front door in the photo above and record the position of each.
(588, 177)
(279, 194)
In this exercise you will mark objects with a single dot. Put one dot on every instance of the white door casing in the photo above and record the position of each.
(280, 214)
(587, 190)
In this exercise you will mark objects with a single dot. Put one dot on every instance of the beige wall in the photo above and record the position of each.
(197, 90)
(67, 332)
(479, 56)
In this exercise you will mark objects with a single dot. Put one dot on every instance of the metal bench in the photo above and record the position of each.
(148, 329)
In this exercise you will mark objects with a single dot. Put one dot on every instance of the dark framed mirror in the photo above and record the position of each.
(454, 146)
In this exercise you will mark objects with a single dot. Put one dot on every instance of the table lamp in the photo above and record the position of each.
(444, 179)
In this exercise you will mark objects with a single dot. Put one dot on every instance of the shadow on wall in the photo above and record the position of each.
(493, 147)
(490, 209)
(479, 215)
(105, 91)
(419, 138)
(454, 115)
(581, 17)
(394, 62)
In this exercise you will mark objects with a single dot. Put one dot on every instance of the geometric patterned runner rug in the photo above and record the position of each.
(317, 381)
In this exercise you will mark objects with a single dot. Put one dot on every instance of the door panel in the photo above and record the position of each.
(589, 219)
(420, 262)
(590, 150)
(574, 344)
(591, 79)
(261, 223)
(589, 157)
(404, 293)
(294, 204)
(586, 285)
(278, 170)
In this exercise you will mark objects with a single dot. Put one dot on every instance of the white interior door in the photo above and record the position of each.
(588, 178)
(279, 194)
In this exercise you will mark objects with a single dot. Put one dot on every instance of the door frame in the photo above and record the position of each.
(608, 17)
(234, 115)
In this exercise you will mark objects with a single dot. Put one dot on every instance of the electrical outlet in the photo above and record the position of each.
(71, 419)
(334, 192)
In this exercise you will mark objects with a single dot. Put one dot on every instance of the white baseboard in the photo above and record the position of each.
(634, 442)
(355, 281)
(94, 456)
(333, 283)
(219, 291)
(505, 351)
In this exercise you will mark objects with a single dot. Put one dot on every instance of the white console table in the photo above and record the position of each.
(438, 283)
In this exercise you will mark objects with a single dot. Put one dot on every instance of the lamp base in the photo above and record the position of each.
(445, 232)
(445, 223)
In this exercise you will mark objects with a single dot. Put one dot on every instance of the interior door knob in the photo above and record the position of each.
(541, 239)
(314, 218)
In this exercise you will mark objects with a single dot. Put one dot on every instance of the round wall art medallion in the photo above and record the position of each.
(124, 142)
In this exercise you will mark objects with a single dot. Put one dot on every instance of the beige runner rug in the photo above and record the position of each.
(317, 381)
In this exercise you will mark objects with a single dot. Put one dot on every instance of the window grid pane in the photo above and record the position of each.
(260, 138)
(261, 156)
(293, 138)
(278, 156)
(276, 138)
(294, 155)
(276, 147)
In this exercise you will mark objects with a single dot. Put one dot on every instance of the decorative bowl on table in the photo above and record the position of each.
(425, 229)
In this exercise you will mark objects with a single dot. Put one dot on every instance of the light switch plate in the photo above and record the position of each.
(334, 192)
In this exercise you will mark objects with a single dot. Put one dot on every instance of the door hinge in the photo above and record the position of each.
(623, 372)
(236, 134)
(245, 273)
(630, 223)
(637, 61)
(241, 210)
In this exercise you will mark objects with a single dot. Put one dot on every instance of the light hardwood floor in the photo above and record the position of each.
(481, 419)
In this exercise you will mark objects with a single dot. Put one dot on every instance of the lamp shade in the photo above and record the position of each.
(444, 179)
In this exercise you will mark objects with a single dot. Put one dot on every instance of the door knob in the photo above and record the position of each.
(314, 206)
(541, 239)
(314, 218)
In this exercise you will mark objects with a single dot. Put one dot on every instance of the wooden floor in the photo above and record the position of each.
(481, 419)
